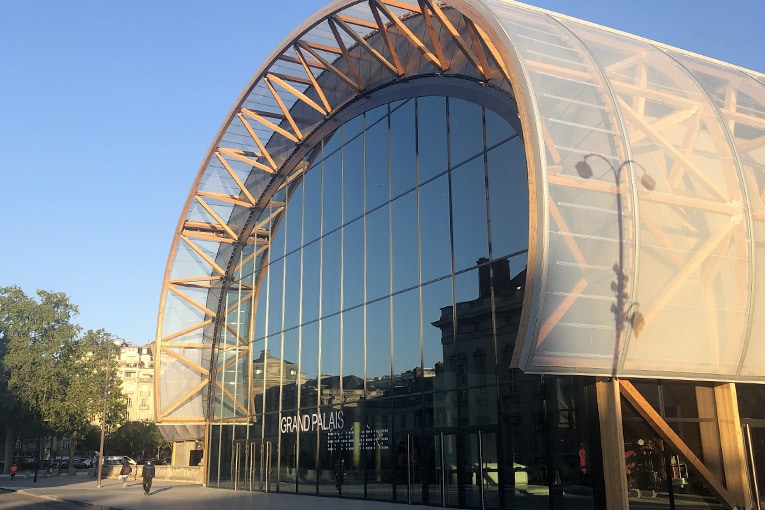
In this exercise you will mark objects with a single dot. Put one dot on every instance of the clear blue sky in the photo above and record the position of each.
(108, 107)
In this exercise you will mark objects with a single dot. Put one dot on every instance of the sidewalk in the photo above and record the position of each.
(173, 495)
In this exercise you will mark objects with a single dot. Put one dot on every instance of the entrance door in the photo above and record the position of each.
(466, 469)
(265, 454)
(410, 486)
(239, 464)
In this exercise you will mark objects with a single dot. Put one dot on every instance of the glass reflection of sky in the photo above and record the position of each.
(397, 204)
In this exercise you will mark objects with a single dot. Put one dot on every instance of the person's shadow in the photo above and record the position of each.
(160, 489)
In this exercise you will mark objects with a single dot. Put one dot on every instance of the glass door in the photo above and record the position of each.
(466, 470)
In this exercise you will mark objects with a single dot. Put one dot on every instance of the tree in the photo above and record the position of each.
(139, 439)
(91, 381)
(36, 335)
(50, 375)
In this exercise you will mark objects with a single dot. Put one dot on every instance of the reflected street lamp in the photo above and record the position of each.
(631, 314)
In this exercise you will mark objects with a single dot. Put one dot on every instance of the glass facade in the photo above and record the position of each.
(390, 301)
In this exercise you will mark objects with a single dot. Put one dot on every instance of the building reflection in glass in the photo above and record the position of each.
(386, 321)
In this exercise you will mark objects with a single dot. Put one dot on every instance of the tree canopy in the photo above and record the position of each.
(52, 374)
(138, 439)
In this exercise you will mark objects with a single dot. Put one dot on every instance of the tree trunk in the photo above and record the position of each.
(10, 438)
(72, 445)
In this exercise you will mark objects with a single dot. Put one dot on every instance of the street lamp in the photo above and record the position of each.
(631, 314)
(103, 416)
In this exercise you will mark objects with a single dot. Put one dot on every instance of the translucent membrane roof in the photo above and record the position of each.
(646, 181)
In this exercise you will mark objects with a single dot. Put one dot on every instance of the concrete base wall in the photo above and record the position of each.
(171, 473)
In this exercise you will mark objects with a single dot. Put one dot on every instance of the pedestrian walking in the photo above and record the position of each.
(14, 468)
(147, 473)
(125, 471)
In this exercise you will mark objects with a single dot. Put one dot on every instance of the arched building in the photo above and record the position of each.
(474, 254)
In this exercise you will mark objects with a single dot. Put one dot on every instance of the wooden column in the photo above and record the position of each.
(710, 437)
(612, 443)
(732, 443)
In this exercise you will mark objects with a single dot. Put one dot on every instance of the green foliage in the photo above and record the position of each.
(138, 439)
(37, 335)
(91, 440)
(50, 371)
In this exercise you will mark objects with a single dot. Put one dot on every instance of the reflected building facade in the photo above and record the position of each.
(418, 267)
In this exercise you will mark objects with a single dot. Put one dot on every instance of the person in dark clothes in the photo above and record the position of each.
(124, 472)
(148, 475)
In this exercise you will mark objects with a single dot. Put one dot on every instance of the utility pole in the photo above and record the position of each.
(103, 416)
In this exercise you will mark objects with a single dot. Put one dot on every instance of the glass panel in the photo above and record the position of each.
(292, 290)
(497, 129)
(431, 136)
(332, 193)
(508, 198)
(353, 354)
(275, 291)
(403, 171)
(353, 128)
(262, 301)
(288, 471)
(338, 476)
(272, 370)
(406, 334)
(312, 205)
(376, 141)
(307, 472)
(333, 142)
(378, 268)
(352, 443)
(293, 219)
(375, 116)
(330, 278)
(309, 365)
(330, 360)
(353, 264)
(467, 289)
(379, 456)
(647, 456)
(751, 401)
(404, 240)
(292, 377)
(437, 325)
(465, 130)
(311, 274)
(378, 345)
(276, 247)
(258, 378)
(469, 214)
(353, 179)
(434, 229)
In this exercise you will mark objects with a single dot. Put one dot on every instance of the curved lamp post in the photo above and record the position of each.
(621, 315)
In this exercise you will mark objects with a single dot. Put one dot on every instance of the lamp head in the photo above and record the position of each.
(584, 169)
(648, 182)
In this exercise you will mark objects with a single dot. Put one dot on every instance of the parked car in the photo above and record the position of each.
(80, 463)
(115, 460)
